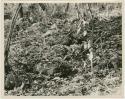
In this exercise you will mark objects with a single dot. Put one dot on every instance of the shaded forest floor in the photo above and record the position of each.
(79, 85)
(49, 58)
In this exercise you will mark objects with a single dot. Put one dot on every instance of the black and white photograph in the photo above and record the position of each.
(62, 49)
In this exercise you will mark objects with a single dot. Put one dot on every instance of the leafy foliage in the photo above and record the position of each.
(47, 53)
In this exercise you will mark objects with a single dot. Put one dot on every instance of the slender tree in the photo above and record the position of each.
(78, 11)
(7, 46)
(66, 8)
(54, 9)
(21, 11)
(90, 42)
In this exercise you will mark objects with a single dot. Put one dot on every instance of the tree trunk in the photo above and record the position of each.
(21, 11)
(44, 13)
(54, 9)
(7, 47)
(67, 8)
(91, 40)
(78, 11)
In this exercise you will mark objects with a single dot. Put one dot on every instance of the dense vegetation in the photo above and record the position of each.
(62, 49)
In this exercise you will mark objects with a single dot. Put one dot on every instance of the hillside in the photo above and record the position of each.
(63, 49)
